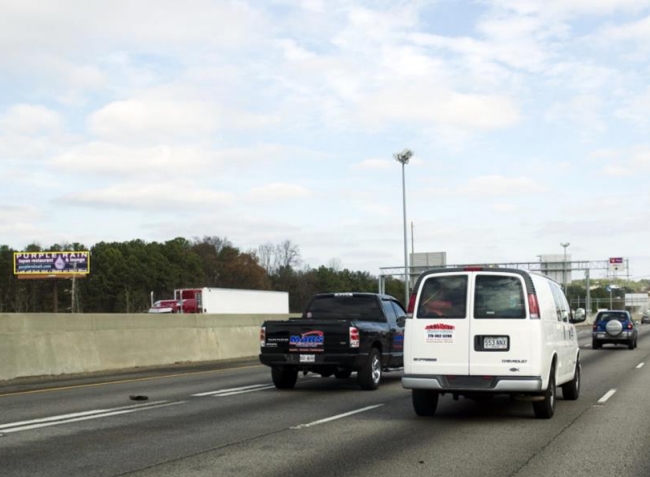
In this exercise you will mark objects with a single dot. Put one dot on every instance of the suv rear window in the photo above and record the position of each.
(443, 296)
(499, 297)
(611, 315)
(345, 306)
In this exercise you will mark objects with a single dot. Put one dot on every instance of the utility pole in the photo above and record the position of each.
(403, 158)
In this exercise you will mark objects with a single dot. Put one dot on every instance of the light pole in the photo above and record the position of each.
(403, 158)
(565, 245)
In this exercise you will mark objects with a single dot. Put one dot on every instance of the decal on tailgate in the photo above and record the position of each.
(311, 341)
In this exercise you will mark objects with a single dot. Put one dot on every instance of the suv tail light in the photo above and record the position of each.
(354, 337)
(411, 305)
(595, 327)
(262, 336)
(630, 326)
(533, 306)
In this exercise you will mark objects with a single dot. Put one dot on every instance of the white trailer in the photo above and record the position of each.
(235, 301)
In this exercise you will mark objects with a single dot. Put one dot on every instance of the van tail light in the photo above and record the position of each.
(533, 306)
(263, 336)
(354, 337)
(411, 305)
(473, 269)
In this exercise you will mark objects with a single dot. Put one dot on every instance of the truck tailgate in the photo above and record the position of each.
(306, 336)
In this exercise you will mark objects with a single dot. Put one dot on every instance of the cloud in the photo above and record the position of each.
(616, 171)
(29, 119)
(158, 120)
(636, 109)
(425, 105)
(504, 207)
(101, 158)
(497, 185)
(144, 196)
(277, 192)
(372, 165)
(581, 110)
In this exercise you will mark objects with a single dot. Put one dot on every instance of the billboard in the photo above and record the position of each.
(51, 264)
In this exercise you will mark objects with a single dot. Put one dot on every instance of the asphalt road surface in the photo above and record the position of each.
(229, 420)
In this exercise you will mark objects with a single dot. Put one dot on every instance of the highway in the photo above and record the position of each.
(231, 421)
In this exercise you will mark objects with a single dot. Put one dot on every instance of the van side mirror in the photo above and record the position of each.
(579, 315)
(401, 321)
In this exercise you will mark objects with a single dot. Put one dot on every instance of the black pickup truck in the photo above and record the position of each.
(338, 333)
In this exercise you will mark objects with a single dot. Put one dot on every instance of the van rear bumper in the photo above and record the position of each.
(444, 383)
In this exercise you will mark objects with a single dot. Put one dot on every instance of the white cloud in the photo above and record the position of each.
(636, 109)
(504, 207)
(584, 111)
(158, 120)
(423, 104)
(144, 196)
(30, 119)
(497, 185)
(372, 164)
(277, 192)
(616, 171)
(103, 158)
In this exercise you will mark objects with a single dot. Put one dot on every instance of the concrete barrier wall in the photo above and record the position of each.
(52, 344)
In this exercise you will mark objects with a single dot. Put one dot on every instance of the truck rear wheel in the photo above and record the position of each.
(284, 378)
(370, 374)
(425, 402)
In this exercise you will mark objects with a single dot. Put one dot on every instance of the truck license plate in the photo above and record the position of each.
(495, 342)
(307, 358)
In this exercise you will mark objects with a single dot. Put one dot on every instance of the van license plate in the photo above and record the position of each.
(495, 342)
(307, 358)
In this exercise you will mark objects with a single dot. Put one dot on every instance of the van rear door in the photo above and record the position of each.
(501, 334)
(439, 331)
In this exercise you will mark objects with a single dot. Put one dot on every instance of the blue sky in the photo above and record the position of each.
(275, 120)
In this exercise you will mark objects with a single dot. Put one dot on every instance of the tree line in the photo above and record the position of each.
(124, 274)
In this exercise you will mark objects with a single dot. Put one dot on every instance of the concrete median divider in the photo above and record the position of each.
(47, 344)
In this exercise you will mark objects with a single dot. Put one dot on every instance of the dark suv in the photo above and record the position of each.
(615, 327)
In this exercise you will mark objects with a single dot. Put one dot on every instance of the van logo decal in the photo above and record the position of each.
(440, 333)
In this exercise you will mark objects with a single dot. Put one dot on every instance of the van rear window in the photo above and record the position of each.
(499, 297)
(443, 296)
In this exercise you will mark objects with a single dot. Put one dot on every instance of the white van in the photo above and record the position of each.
(480, 331)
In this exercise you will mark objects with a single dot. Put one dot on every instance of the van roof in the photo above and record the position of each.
(525, 274)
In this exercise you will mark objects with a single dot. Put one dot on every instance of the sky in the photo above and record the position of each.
(265, 121)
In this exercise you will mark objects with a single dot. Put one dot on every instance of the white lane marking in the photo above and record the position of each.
(231, 390)
(106, 413)
(64, 417)
(244, 391)
(607, 395)
(333, 418)
(640, 365)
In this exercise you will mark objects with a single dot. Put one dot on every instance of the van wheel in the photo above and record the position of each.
(284, 378)
(342, 373)
(571, 390)
(425, 402)
(546, 408)
(370, 374)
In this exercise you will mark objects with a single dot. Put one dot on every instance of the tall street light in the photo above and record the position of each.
(403, 158)
(565, 245)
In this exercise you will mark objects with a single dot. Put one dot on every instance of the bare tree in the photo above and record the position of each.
(266, 256)
(287, 255)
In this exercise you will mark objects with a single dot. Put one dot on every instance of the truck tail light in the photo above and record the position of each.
(262, 336)
(411, 305)
(354, 337)
(533, 306)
